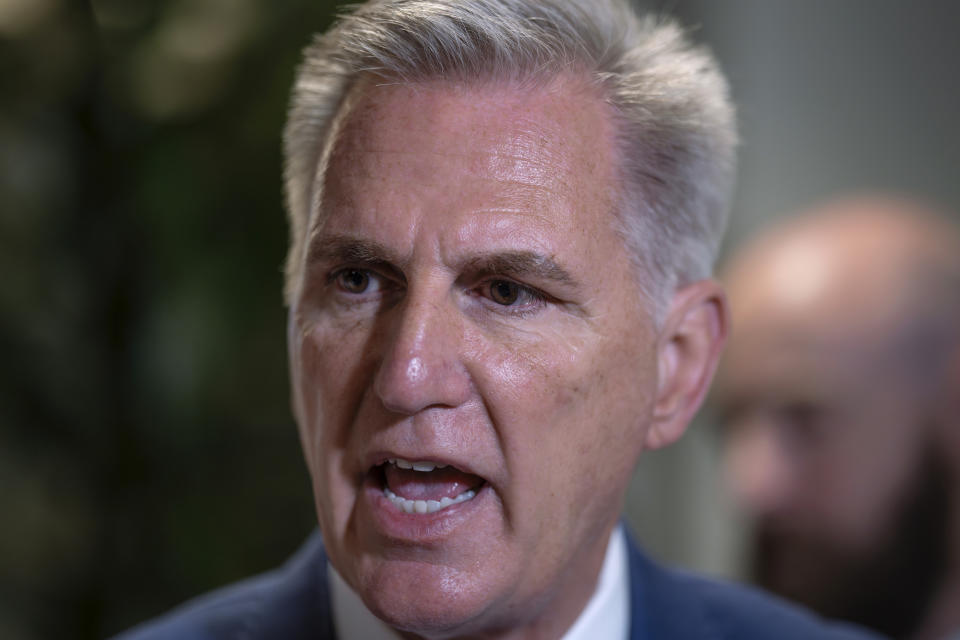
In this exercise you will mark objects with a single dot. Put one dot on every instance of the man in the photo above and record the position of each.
(839, 395)
(504, 215)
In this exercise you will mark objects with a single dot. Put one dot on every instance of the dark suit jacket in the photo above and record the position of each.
(293, 603)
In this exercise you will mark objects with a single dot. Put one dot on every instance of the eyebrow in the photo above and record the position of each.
(520, 264)
(341, 248)
(526, 264)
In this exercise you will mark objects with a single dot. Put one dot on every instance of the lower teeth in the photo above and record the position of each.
(426, 506)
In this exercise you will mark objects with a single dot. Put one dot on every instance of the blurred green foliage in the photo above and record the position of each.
(147, 452)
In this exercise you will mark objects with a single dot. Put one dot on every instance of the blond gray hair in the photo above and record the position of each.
(675, 121)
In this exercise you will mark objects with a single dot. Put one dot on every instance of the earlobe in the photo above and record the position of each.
(691, 340)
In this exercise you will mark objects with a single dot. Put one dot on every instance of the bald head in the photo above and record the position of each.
(866, 264)
(845, 324)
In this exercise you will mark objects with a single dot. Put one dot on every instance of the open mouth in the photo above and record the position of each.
(426, 487)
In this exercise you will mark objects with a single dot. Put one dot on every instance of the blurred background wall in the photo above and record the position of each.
(146, 449)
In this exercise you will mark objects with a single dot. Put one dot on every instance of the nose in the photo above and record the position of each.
(759, 469)
(421, 364)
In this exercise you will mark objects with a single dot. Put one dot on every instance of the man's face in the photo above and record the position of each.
(466, 302)
(818, 433)
(825, 445)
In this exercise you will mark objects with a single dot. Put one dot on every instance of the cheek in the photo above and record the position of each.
(327, 401)
(615, 411)
(326, 348)
(872, 473)
(577, 404)
(529, 378)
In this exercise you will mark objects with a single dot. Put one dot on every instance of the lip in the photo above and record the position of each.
(392, 524)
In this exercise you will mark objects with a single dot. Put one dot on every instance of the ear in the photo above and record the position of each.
(688, 350)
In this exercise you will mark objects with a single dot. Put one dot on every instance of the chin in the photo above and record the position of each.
(430, 600)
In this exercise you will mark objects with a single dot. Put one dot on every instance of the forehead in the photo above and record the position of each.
(546, 121)
(816, 322)
(545, 148)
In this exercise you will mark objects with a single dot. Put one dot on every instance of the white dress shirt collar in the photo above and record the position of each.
(607, 614)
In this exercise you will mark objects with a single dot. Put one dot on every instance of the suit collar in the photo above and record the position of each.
(661, 606)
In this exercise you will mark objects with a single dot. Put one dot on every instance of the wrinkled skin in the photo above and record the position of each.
(466, 300)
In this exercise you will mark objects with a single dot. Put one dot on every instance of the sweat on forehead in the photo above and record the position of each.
(527, 135)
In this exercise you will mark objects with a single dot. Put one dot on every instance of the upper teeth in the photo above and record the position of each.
(416, 466)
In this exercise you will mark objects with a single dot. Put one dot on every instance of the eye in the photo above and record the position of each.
(511, 296)
(356, 281)
(504, 292)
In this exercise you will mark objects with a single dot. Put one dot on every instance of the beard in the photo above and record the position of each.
(886, 588)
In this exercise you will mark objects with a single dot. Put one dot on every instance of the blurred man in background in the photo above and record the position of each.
(840, 398)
